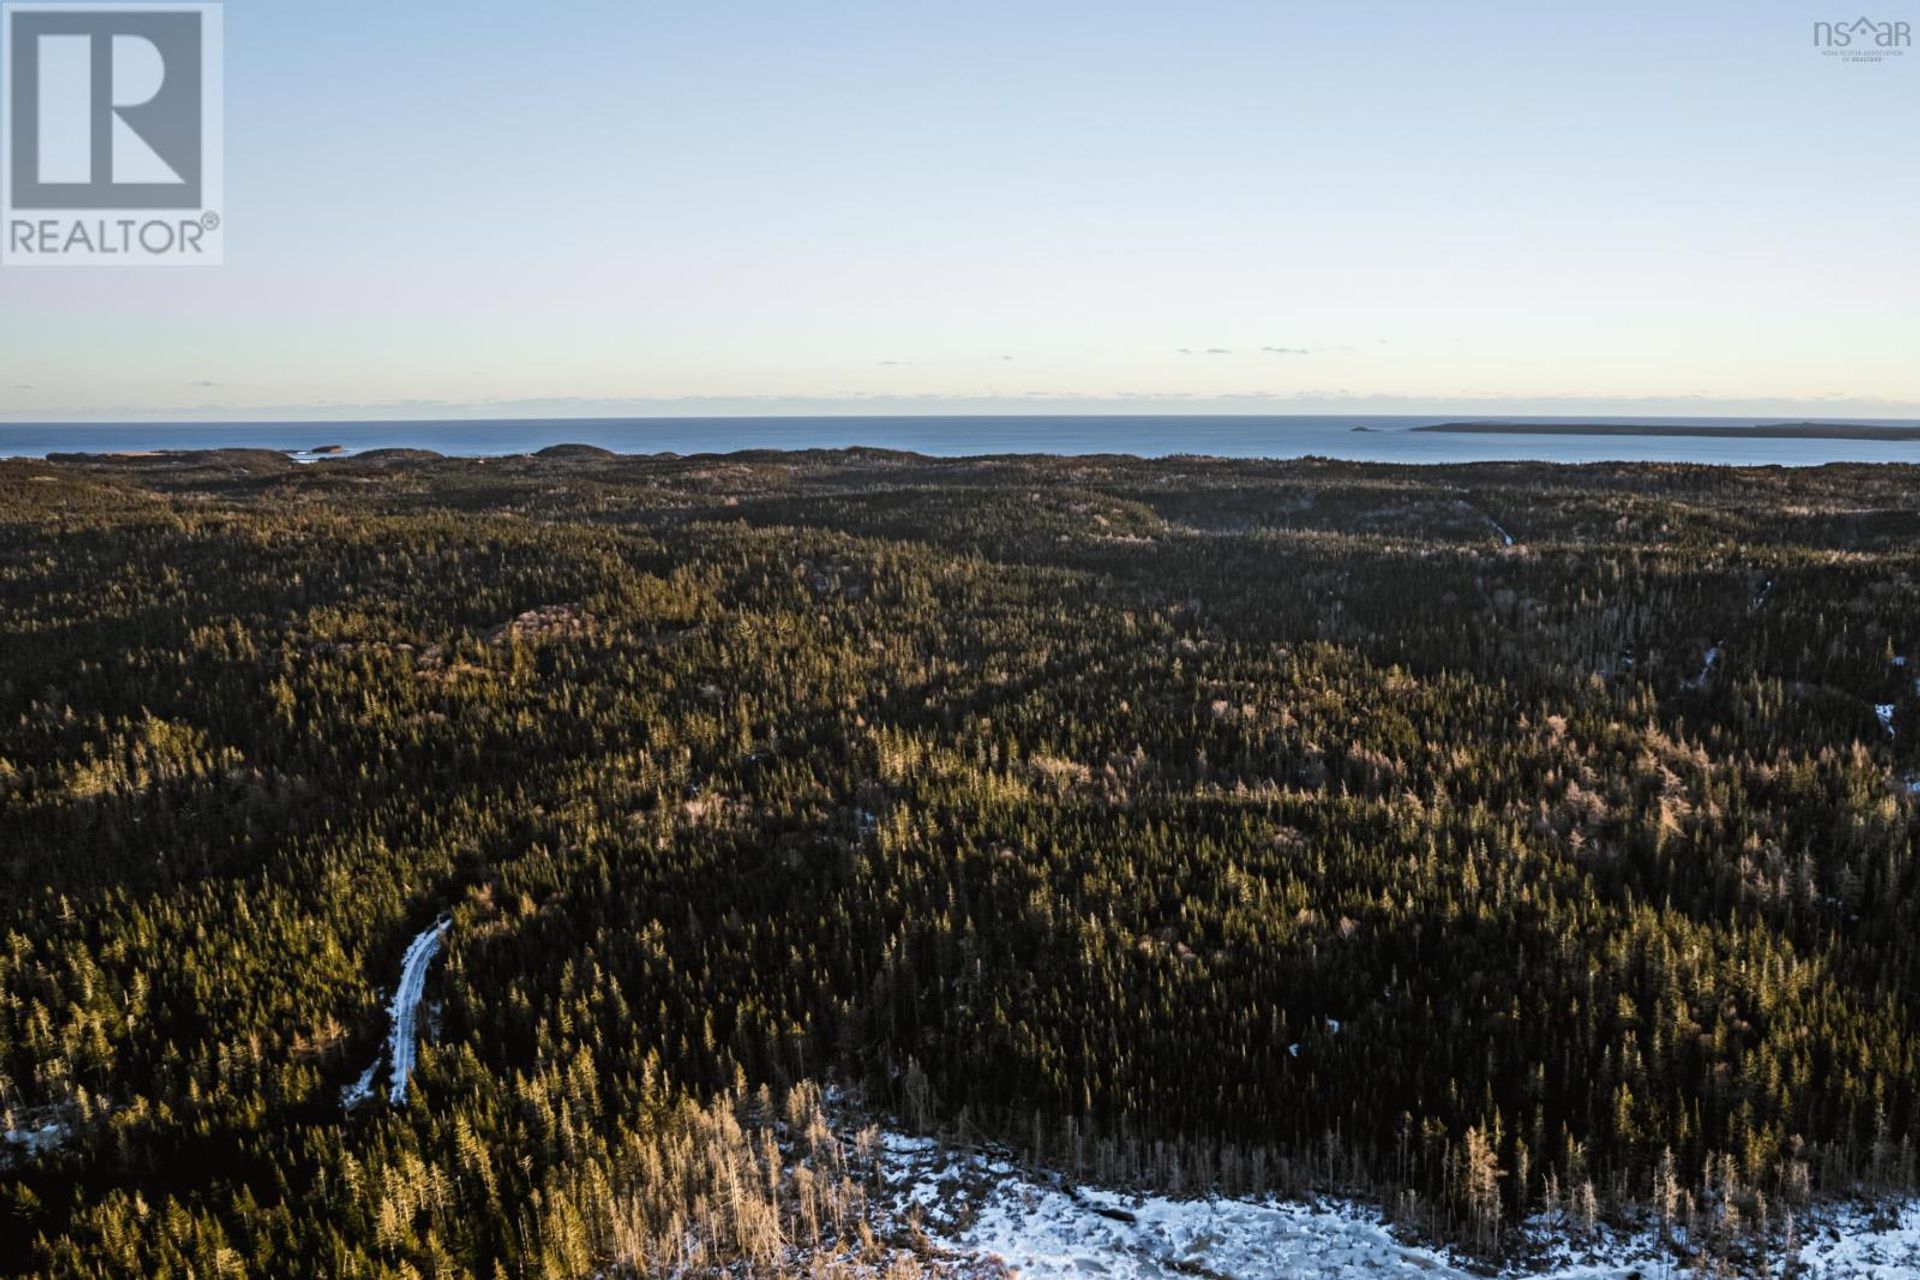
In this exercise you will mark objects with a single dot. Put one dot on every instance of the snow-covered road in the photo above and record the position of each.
(403, 1010)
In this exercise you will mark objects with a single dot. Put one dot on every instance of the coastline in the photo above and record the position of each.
(1354, 438)
(1770, 431)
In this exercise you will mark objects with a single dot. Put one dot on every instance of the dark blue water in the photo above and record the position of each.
(1371, 439)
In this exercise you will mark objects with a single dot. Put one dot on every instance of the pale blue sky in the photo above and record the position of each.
(1538, 205)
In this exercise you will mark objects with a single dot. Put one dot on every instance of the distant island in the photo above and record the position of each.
(1767, 431)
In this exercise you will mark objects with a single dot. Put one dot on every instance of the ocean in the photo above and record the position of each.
(1356, 438)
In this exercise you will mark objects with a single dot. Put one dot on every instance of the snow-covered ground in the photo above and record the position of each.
(362, 1089)
(1707, 664)
(987, 1209)
(402, 1040)
(1849, 1244)
(34, 1140)
(984, 1210)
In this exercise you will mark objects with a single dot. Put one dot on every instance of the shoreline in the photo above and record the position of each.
(1404, 440)
(1774, 431)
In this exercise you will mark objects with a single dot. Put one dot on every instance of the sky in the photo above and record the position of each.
(440, 208)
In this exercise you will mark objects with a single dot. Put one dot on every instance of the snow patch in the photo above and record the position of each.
(362, 1089)
(33, 1141)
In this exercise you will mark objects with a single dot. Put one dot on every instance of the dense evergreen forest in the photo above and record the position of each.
(1478, 838)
